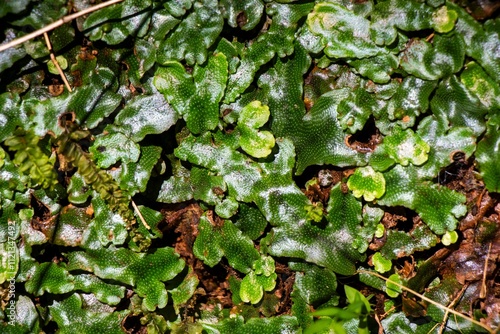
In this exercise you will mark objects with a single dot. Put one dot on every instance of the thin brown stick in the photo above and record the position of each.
(140, 215)
(388, 311)
(428, 300)
(452, 304)
(432, 329)
(380, 327)
(56, 24)
(56, 63)
(484, 289)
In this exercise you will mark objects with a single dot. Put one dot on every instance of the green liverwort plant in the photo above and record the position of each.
(337, 320)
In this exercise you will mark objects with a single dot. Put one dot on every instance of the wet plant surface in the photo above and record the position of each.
(250, 167)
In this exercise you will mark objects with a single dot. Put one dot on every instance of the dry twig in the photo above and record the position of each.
(484, 289)
(56, 63)
(449, 310)
(140, 215)
(56, 24)
(452, 304)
